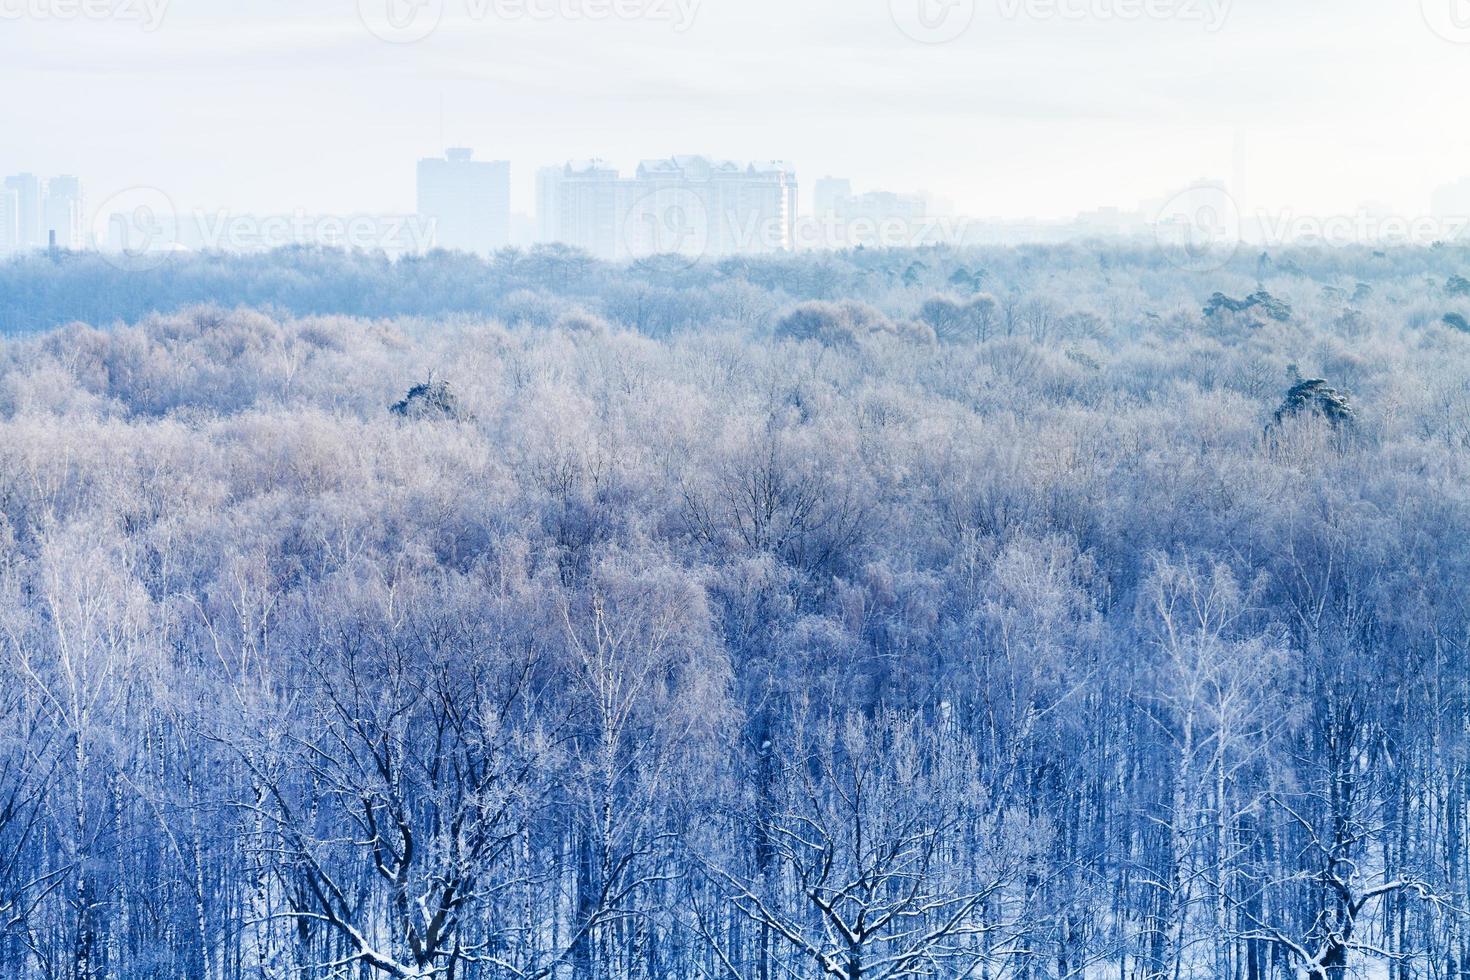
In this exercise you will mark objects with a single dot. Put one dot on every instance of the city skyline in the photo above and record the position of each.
(832, 90)
(677, 204)
(463, 204)
(41, 212)
(1449, 197)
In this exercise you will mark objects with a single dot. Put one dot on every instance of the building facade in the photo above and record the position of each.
(34, 210)
(687, 205)
(62, 212)
(467, 200)
(828, 195)
(25, 192)
(9, 220)
(582, 203)
(872, 219)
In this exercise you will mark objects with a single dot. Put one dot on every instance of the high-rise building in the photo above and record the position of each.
(583, 204)
(827, 194)
(715, 207)
(63, 212)
(683, 204)
(9, 220)
(770, 189)
(30, 219)
(873, 218)
(548, 204)
(468, 200)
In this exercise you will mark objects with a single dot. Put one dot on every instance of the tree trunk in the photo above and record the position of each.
(582, 951)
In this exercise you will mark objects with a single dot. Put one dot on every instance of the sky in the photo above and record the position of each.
(1007, 108)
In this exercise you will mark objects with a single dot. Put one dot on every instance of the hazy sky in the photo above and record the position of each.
(1038, 107)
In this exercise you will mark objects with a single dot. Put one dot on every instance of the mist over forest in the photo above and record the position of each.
(1123, 285)
(1035, 613)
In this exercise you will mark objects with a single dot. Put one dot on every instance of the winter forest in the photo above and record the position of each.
(967, 614)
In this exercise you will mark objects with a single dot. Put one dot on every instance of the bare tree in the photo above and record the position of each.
(649, 688)
(1346, 890)
(27, 765)
(1212, 705)
(395, 802)
(76, 657)
(873, 881)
